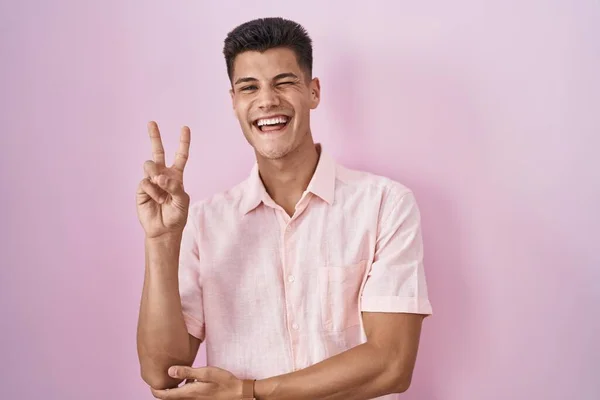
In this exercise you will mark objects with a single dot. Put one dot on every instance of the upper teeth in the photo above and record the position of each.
(272, 121)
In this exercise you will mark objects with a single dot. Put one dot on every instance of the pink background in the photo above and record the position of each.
(489, 110)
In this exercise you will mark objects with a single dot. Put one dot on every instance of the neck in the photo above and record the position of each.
(287, 178)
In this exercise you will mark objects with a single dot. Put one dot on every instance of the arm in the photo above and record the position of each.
(162, 208)
(382, 365)
(162, 336)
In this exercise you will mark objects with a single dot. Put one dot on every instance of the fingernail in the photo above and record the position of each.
(173, 371)
(161, 199)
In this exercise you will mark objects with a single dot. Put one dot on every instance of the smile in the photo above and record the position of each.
(272, 124)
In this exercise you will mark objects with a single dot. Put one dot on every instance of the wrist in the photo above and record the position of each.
(264, 389)
(162, 252)
(167, 239)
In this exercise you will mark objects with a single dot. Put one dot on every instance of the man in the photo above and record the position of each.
(306, 280)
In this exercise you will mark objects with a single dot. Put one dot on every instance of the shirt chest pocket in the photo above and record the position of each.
(339, 289)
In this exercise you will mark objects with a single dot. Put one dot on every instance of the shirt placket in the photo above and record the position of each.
(291, 286)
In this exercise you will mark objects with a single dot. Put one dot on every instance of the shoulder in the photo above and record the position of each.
(393, 202)
(371, 184)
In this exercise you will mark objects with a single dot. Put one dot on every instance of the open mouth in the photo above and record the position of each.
(272, 124)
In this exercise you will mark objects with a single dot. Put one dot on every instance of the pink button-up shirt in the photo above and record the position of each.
(272, 294)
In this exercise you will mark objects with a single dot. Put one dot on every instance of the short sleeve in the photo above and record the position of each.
(396, 279)
(190, 283)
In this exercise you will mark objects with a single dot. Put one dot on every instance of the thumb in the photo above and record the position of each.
(171, 186)
(182, 372)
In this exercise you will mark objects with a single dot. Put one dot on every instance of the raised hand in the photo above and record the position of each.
(162, 203)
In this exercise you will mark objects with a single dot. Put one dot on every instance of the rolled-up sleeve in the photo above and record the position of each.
(396, 280)
(190, 282)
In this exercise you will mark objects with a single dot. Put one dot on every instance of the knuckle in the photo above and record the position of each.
(149, 166)
(149, 187)
(208, 374)
(144, 183)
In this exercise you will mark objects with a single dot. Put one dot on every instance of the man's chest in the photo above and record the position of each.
(309, 269)
(264, 241)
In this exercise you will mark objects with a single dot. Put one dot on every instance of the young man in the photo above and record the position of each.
(306, 280)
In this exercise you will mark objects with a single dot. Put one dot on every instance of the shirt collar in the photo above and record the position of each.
(322, 184)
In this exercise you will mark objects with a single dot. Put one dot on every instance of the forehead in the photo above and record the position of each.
(265, 65)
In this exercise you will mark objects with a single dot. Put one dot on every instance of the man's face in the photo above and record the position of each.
(272, 99)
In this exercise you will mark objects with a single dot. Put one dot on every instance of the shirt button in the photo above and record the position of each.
(295, 327)
(291, 278)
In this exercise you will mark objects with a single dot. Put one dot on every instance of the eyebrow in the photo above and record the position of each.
(245, 79)
(285, 75)
(276, 78)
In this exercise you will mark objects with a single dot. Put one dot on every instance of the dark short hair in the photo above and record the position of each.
(266, 33)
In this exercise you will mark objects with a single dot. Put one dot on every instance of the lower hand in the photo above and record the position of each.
(205, 383)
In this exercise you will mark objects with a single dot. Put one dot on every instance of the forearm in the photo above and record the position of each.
(162, 336)
(363, 372)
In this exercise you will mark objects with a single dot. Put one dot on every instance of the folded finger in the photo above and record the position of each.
(153, 190)
(171, 186)
(193, 390)
(151, 169)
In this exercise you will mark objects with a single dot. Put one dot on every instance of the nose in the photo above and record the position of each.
(267, 98)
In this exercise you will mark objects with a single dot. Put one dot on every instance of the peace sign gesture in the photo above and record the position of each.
(162, 203)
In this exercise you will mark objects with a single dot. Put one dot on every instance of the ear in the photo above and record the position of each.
(232, 94)
(315, 93)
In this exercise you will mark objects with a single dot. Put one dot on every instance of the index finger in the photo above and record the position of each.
(183, 392)
(158, 152)
(184, 149)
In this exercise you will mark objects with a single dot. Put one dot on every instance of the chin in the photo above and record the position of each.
(273, 152)
(272, 148)
(274, 145)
